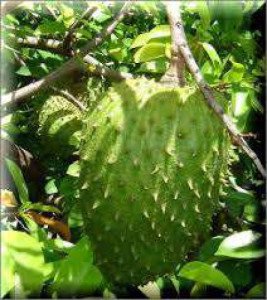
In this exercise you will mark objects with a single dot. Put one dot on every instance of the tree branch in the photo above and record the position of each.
(56, 46)
(209, 96)
(74, 63)
(44, 44)
(86, 15)
(175, 73)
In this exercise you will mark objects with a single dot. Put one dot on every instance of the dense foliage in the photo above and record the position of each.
(45, 251)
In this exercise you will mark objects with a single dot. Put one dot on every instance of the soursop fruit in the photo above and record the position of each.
(60, 124)
(152, 159)
(59, 121)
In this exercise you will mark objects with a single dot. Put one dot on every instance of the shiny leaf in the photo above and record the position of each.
(206, 274)
(19, 181)
(244, 245)
(149, 52)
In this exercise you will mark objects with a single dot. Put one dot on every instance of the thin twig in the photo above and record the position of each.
(209, 96)
(95, 67)
(74, 63)
(70, 98)
(86, 15)
(19, 60)
(175, 73)
(105, 32)
(44, 44)
(50, 10)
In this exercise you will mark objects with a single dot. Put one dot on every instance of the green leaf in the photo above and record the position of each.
(50, 187)
(207, 251)
(74, 169)
(141, 40)
(236, 202)
(257, 291)
(27, 261)
(254, 102)
(101, 17)
(240, 104)
(199, 290)
(118, 50)
(229, 14)
(149, 52)
(19, 181)
(206, 274)
(75, 217)
(67, 14)
(7, 271)
(235, 74)
(208, 72)
(24, 71)
(202, 9)
(50, 27)
(75, 274)
(253, 212)
(47, 54)
(214, 57)
(239, 272)
(241, 108)
(42, 208)
(158, 32)
(158, 66)
(11, 19)
(244, 245)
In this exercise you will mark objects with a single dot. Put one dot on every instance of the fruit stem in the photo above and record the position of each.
(175, 74)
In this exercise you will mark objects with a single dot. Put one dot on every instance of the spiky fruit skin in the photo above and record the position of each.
(60, 124)
(150, 170)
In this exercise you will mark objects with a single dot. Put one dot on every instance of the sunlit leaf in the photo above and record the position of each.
(240, 103)
(50, 187)
(206, 274)
(156, 66)
(235, 74)
(27, 260)
(228, 13)
(149, 52)
(161, 31)
(75, 274)
(207, 251)
(67, 14)
(74, 169)
(24, 71)
(245, 245)
(213, 55)
(202, 9)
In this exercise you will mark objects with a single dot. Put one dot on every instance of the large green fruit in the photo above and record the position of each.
(151, 165)
(59, 121)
